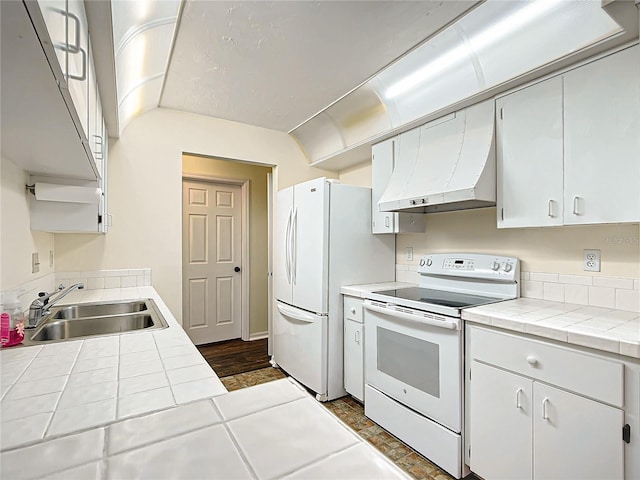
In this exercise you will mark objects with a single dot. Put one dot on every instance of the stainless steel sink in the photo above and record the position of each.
(93, 319)
(98, 309)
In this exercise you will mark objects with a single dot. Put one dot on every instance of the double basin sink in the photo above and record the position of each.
(68, 322)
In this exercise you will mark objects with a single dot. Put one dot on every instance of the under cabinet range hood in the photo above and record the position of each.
(447, 164)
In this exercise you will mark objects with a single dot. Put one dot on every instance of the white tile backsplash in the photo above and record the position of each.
(613, 282)
(543, 277)
(532, 289)
(576, 294)
(608, 292)
(99, 279)
(553, 292)
(96, 283)
(575, 279)
(602, 297)
(628, 300)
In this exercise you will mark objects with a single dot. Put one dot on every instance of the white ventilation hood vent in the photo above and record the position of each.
(447, 164)
(493, 48)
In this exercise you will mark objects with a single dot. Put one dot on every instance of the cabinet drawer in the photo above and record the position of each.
(353, 308)
(596, 377)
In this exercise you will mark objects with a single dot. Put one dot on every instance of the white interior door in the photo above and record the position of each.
(211, 261)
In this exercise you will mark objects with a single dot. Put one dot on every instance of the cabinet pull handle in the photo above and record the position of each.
(531, 360)
(83, 76)
(74, 48)
(518, 404)
(575, 205)
(550, 212)
(357, 337)
(544, 409)
(353, 310)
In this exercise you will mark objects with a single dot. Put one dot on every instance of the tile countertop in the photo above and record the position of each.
(362, 290)
(143, 405)
(609, 330)
(616, 331)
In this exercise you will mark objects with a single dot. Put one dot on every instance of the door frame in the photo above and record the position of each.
(244, 254)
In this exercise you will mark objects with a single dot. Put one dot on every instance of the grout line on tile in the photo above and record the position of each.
(164, 368)
(244, 457)
(64, 388)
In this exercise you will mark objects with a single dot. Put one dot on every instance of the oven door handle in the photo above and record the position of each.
(449, 325)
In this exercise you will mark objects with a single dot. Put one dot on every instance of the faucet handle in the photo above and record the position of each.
(44, 294)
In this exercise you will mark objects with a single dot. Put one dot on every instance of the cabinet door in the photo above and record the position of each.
(530, 156)
(54, 13)
(500, 423)
(78, 62)
(382, 158)
(95, 117)
(353, 359)
(602, 143)
(575, 437)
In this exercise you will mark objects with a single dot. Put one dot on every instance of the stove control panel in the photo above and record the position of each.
(471, 265)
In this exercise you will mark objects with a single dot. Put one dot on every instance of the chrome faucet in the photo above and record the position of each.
(39, 308)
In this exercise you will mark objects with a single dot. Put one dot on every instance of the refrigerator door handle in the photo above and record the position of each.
(296, 314)
(294, 245)
(287, 244)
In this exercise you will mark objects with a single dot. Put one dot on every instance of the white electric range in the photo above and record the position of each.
(414, 344)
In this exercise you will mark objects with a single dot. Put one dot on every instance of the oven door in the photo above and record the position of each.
(415, 358)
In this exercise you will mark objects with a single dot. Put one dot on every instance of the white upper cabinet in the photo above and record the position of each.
(54, 13)
(383, 156)
(568, 148)
(602, 140)
(46, 110)
(529, 156)
(78, 62)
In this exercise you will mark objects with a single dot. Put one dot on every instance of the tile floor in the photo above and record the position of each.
(351, 412)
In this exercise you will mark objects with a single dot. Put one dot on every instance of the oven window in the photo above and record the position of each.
(409, 360)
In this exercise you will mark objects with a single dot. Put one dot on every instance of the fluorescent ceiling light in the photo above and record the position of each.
(143, 33)
(517, 20)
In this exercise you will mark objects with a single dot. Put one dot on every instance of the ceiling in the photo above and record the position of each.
(276, 64)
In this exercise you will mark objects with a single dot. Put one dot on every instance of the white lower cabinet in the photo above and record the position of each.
(353, 347)
(575, 437)
(501, 440)
(520, 427)
(523, 429)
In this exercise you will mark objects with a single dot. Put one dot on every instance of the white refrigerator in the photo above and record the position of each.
(322, 241)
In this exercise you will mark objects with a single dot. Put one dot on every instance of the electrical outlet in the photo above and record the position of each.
(35, 263)
(409, 253)
(591, 260)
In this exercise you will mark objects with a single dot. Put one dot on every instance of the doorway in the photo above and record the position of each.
(256, 181)
(212, 259)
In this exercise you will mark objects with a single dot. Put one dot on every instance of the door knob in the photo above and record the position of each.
(236, 269)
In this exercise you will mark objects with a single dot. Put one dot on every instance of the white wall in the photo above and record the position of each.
(144, 192)
(17, 241)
